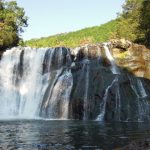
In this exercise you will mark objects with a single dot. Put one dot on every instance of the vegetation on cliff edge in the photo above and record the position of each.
(78, 38)
(132, 24)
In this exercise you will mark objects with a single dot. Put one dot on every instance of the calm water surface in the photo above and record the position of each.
(51, 135)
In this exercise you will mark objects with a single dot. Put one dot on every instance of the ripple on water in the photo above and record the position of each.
(40, 134)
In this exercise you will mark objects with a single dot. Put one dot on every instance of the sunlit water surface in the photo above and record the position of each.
(51, 135)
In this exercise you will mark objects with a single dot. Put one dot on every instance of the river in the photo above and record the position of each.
(69, 134)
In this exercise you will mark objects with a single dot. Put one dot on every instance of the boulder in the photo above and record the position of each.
(127, 55)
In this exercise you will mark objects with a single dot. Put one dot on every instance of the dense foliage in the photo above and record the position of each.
(12, 21)
(145, 21)
(74, 39)
(134, 22)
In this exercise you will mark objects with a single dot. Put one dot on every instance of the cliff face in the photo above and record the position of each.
(108, 81)
(132, 57)
(1, 53)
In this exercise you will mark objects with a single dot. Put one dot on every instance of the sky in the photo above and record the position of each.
(50, 17)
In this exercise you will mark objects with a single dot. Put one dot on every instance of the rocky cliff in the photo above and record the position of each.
(133, 57)
(106, 81)
(111, 86)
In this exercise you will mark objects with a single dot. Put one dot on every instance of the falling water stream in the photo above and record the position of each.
(114, 68)
(45, 92)
(48, 83)
(103, 105)
(23, 83)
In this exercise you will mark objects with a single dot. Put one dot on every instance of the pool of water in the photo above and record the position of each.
(86, 135)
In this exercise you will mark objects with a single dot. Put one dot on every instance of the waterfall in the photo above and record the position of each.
(142, 103)
(98, 52)
(144, 110)
(52, 83)
(103, 105)
(86, 68)
(114, 68)
(118, 103)
(58, 101)
(56, 98)
(7, 88)
(25, 76)
(20, 95)
(141, 88)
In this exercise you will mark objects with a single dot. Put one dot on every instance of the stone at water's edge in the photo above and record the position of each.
(143, 144)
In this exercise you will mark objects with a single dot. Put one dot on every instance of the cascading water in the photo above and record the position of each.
(103, 105)
(86, 67)
(141, 88)
(114, 68)
(53, 83)
(57, 103)
(19, 92)
(23, 82)
(142, 103)
(56, 98)
(118, 101)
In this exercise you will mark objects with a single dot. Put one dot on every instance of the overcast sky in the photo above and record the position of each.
(49, 17)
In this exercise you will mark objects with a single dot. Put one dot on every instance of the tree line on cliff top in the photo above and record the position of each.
(133, 23)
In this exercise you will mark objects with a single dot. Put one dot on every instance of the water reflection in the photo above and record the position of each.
(39, 134)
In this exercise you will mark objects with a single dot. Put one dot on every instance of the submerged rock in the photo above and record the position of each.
(143, 144)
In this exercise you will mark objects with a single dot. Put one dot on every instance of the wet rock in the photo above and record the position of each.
(133, 57)
(87, 51)
(56, 58)
(120, 43)
(1, 53)
(122, 97)
(83, 79)
(137, 145)
(136, 59)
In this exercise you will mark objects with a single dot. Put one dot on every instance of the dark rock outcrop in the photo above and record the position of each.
(121, 95)
(105, 81)
(133, 57)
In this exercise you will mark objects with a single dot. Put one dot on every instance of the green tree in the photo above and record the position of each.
(12, 22)
(145, 22)
(134, 22)
(128, 21)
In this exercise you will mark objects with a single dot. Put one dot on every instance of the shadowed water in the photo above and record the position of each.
(48, 134)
